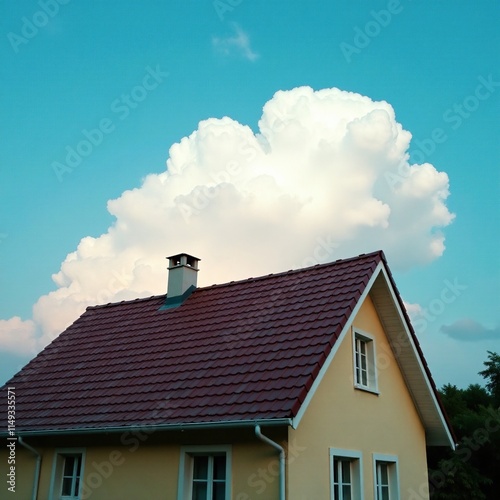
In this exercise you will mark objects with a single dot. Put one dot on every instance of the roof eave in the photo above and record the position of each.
(157, 427)
(410, 358)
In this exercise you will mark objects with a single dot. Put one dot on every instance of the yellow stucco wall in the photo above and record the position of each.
(24, 468)
(340, 416)
(151, 471)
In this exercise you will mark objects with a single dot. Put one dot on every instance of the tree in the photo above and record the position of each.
(471, 471)
(492, 374)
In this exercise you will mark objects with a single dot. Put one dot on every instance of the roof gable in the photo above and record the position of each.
(396, 324)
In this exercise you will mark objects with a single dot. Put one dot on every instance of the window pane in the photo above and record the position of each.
(385, 493)
(200, 470)
(199, 491)
(346, 472)
(336, 491)
(69, 463)
(362, 347)
(346, 492)
(78, 460)
(220, 467)
(219, 491)
(335, 471)
(384, 479)
(66, 486)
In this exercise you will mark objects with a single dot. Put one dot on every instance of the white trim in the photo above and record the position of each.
(184, 480)
(310, 394)
(55, 480)
(372, 372)
(394, 493)
(408, 336)
(417, 356)
(153, 427)
(355, 456)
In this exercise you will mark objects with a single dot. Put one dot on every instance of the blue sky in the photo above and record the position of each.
(147, 74)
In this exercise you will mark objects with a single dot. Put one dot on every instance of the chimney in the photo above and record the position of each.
(182, 277)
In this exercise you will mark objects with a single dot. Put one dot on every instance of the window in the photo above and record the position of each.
(205, 473)
(209, 477)
(345, 474)
(365, 375)
(67, 473)
(386, 477)
(71, 476)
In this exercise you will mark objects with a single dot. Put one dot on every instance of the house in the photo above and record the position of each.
(304, 385)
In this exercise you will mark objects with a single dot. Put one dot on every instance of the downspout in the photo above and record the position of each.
(37, 466)
(261, 436)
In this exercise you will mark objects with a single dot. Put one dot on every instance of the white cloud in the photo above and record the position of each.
(18, 336)
(238, 43)
(469, 330)
(310, 186)
(414, 310)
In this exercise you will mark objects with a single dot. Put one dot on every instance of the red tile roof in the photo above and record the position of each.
(246, 350)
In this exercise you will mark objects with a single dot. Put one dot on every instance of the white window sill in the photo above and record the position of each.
(367, 389)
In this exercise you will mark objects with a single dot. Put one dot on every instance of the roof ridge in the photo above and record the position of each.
(138, 299)
(295, 271)
(361, 256)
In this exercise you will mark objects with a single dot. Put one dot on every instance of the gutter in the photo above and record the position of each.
(159, 427)
(37, 466)
(275, 445)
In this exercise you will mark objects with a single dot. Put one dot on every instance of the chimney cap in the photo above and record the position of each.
(183, 259)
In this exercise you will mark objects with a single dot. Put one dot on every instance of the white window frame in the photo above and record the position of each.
(393, 473)
(60, 454)
(355, 457)
(371, 356)
(184, 491)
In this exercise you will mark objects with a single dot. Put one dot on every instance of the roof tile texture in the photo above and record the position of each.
(246, 350)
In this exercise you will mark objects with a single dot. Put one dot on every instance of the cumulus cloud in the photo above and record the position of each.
(18, 336)
(469, 330)
(310, 185)
(237, 44)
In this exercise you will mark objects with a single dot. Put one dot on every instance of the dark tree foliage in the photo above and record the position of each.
(492, 374)
(472, 471)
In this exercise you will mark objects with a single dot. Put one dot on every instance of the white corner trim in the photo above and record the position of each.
(347, 328)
